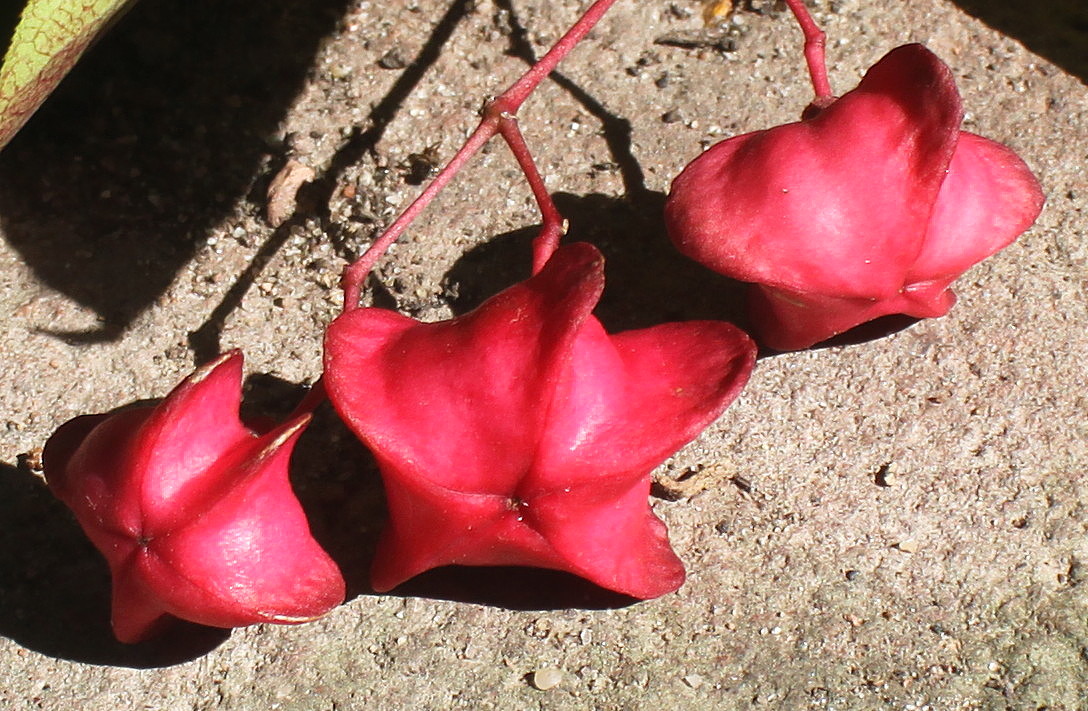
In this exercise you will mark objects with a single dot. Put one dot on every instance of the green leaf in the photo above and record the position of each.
(48, 40)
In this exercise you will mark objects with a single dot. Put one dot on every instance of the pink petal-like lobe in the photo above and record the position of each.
(193, 512)
(523, 434)
(871, 207)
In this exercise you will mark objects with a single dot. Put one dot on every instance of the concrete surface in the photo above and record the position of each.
(895, 524)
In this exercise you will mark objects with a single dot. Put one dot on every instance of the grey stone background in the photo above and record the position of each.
(899, 523)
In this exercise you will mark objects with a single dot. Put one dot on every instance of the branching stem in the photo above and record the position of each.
(553, 226)
(500, 117)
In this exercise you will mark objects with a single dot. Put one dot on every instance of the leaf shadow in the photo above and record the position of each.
(113, 185)
(1056, 30)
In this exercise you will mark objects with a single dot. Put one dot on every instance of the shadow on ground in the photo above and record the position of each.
(1056, 29)
(55, 587)
(153, 137)
(512, 588)
(647, 281)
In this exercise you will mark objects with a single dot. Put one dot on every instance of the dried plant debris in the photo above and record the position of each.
(283, 191)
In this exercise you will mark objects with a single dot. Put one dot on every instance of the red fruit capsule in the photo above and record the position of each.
(524, 434)
(872, 206)
(193, 511)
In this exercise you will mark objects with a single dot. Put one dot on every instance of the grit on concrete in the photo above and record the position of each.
(899, 523)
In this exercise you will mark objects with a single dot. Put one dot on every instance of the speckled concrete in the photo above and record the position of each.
(899, 523)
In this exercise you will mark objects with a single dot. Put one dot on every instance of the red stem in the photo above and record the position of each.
(522, 88)
(355, 273)
(499, 116)
(815, 41)
(553, 226)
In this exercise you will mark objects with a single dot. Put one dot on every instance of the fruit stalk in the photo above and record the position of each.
(499, 117)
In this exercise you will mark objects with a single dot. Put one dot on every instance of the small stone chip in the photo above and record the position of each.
(908, 545)
(546, 678)
(716, 11)
(32, 459)
(694, 680)
(393, 59)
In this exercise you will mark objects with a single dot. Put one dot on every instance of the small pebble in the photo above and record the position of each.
(908, 546)
(546, 678)
(694, 680)
(340, 71)
(671, 116)
(32, 459)
(393, 59)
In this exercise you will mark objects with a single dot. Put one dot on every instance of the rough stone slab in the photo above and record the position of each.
(895, 524)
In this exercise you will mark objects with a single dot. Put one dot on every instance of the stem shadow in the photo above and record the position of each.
(648, 282)
(364, 142)
(204, 340)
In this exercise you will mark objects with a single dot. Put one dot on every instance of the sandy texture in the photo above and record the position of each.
(901, 523)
